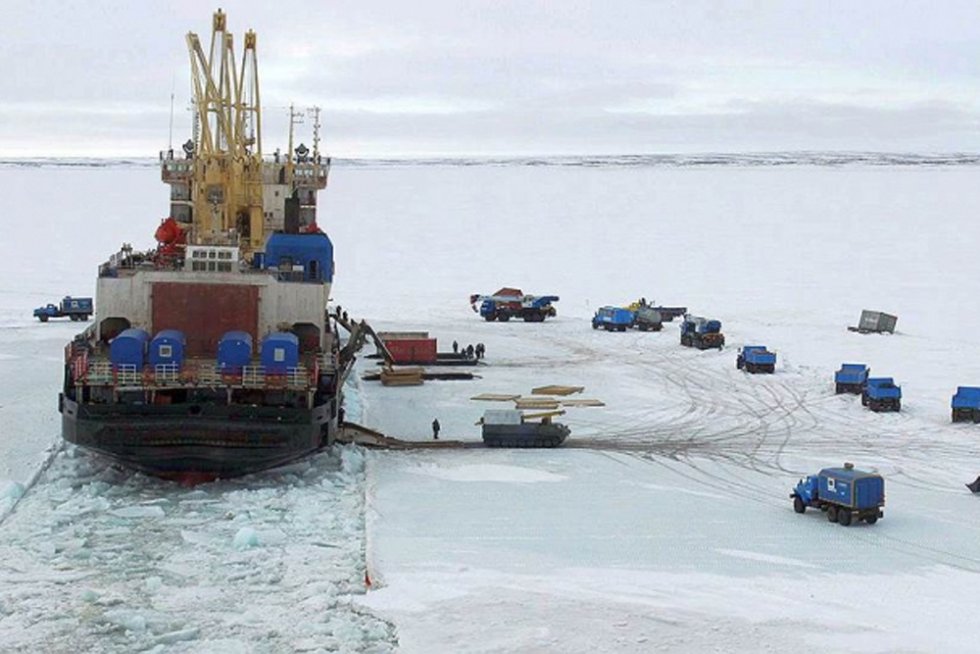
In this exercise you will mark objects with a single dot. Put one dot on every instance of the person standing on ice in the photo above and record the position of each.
(435, 429)
(455, 347)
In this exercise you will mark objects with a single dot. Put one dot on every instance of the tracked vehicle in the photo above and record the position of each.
(512, 428)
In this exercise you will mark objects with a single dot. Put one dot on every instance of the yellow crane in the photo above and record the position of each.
(227, 158)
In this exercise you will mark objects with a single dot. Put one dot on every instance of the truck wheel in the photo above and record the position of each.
(642, 327)
(898, 405)
(871, 519)
(798, 504)
(838, 389)
(832, 513)
(42, 318)
(844, 518)
(621, 328)
(503, 317)
(490, 317)
(976, 416)
(595, 325)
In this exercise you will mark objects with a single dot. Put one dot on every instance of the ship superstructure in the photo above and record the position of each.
(214, 355)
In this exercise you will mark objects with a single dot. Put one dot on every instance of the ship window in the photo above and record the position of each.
(211, 254)
(224, 255)
(224, 266)
(211, 266)
(199, 266)
(166, 351)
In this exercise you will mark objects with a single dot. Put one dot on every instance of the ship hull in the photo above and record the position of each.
(199, 442)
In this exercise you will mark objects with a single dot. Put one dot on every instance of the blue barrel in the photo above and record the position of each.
(280, 351)
(234, 352)
(129, 348)
(168, 347)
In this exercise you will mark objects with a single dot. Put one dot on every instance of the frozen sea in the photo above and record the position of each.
(663, 525)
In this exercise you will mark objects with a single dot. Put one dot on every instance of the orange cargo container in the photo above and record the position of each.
(405, 350)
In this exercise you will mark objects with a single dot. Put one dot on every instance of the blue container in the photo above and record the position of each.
(234, 352)
(967, 397)
(168, 347)
(852, 488)
(852, 373)
(314, 252)
(280, 351)
(710, 327)
(883, 388)
(758, 355)
(129, 348)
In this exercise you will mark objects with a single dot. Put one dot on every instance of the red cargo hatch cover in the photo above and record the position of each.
(204, 312)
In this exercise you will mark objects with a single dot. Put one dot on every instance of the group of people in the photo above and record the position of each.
(470, 351)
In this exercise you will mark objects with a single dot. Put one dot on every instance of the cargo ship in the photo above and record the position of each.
(214, 355)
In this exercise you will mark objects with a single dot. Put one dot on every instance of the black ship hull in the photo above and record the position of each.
(199, 442)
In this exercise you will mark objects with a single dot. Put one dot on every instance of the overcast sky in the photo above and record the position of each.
(420, 77)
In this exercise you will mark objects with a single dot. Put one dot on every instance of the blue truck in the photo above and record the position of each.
(966, 404)
(756, 359)
(75, 308)
(846, 494)
(701, 333)
(613, 319)
(851, 378)
(881, 394)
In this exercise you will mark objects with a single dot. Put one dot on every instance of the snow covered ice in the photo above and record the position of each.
(664, 524)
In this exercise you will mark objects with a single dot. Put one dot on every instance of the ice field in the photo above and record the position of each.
(663, 524)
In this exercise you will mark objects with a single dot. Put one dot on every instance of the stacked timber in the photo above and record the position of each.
(402, 376)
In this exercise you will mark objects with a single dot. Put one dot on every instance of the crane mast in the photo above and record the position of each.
(227, 203)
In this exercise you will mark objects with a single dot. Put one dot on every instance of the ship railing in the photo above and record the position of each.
(127, 374)
(166, 374)
(260, 377)
(99, 372)
(79, 367)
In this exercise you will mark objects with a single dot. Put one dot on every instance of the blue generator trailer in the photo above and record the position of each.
(701, 333)
(966, 404)
(756, 359)
(613, 319)
(881, 394)
(846, 494)
(851, 378)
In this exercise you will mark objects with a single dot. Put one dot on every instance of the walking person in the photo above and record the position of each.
(455, 347)
(435, 429)
(469, 351)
